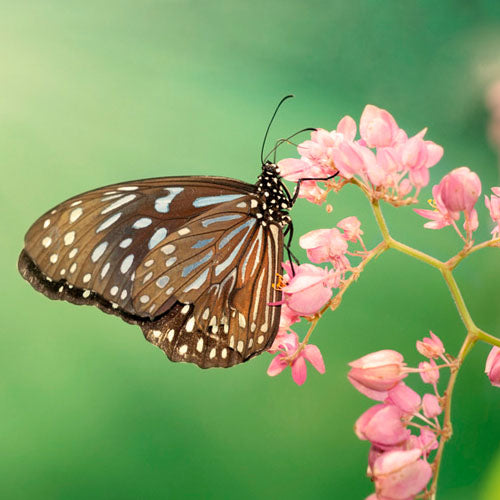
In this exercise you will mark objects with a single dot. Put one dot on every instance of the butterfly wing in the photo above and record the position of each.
(89, 249)
(222, 268)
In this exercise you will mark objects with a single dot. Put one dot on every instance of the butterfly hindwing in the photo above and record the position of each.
(231, 319)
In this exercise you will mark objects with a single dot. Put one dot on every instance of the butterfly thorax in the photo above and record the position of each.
(275, 201)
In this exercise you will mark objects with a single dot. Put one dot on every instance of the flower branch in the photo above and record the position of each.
(386, 164)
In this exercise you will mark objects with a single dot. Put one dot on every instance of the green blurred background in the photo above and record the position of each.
(93, 93)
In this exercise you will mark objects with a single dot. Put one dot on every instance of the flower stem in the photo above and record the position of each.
(469, 342)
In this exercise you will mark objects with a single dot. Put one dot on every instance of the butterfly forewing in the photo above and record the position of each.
(183, 257)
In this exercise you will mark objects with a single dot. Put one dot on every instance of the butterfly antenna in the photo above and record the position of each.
(269, 126)
(279, 142)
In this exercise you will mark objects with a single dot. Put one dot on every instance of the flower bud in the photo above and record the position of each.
(401, 474)
(405, 398)
(493, 366)
(430, 347)
(431, 406)
(429, 372)
(381, 425)
(460, 189)
(376, 373)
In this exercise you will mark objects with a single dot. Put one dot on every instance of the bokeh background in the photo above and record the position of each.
(96, 92)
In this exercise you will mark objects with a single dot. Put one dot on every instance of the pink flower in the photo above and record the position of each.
(353, 159)
(326, 245)
(457, 192)
(405, 398)
(427, 441)
(428, 371)
(418, 156)
(492, 367)
(352, 228)
(382, 425)
(293, 169)
(460, 189)
(400, 475)
(493, 205)
(281, 341)
(289, 345)
(288, 317)
(377, 127)
(430, 347)
(431, 406)
(309, 289)
(376, 373)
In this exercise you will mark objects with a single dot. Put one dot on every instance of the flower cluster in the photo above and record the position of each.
(399, 460)
(404, 427)
(307, 289)
(385, 161)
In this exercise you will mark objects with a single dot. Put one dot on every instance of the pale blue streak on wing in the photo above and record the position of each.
(196, 264)
(205, 201)
(202, 243)
(163, 204)
(224, 241)
(222, 218)
(227, 262)
(198, 281)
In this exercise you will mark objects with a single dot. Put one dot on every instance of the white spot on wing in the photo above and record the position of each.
(46, 242)
(105, 269)
(199, 345)
(118, 203)
(125, 243)
(168, 249)
(108, 222)
(190, 324)
(87, 278)
(75, 214)
(98, 251)
(69, 238)
(126, 263)
(183, 349)
(142, 222)
(158, 237)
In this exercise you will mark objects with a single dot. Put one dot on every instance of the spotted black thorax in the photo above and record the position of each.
(275, 199)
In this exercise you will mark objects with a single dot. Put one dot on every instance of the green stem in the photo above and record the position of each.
(447, 430)
(473, 332)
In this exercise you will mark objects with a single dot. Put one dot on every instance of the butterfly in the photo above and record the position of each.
(192, 260)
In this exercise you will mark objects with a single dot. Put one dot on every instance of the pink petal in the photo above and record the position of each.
(276, 366)
(405, 398)
(369, 393)
(299, 370)
(431, 406)
(400, 474)
(347, 127)
(313, 355)
(309, 301)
